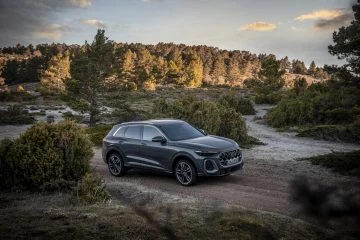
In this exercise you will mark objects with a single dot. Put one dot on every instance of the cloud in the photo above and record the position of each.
(95, 22)
(335, 23)
(326, 14)
(296, 29)
(259, 26)
(328, 19)
(28, 21)
(81, 3)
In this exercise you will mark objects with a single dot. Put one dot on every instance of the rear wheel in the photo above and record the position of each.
(116, 165)
(185, 173)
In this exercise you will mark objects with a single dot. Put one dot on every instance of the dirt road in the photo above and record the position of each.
(264, 185)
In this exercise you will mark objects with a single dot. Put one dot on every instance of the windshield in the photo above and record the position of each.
(180, 131)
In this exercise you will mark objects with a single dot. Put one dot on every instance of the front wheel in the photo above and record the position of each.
(116, 165)
(185, 173)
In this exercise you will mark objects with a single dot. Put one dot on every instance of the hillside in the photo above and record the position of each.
(136, 65)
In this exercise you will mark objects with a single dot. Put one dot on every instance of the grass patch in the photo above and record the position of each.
(97, 133)
(343, 163)
(344, 133)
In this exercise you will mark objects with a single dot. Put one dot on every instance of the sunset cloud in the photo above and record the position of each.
(335, 23)
(326, 14)
(259, 26)
(95, 23)
(81, 3)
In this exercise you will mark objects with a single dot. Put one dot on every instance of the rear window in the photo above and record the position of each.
(133, 132)
(120, 132)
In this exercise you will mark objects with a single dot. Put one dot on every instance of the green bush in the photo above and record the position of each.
(46, 153)
(319, 104)
(97, 133)
(240, 104)
(272, 98)
(346, 133)
(6, 173)
(214, 117)
(70, 116)
(91, 190)
(15, 114)
(344, 163)
(16, 96)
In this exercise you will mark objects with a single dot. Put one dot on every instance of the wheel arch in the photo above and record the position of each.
(113, 150)
(181, 156)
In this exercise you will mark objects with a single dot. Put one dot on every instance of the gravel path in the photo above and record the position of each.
(284, 145)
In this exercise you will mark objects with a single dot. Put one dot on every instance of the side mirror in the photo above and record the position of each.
(203, 131)
(159, 139)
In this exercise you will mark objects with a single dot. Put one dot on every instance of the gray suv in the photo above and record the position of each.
(170, 146)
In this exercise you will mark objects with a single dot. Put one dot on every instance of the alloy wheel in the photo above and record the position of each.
(184, 173)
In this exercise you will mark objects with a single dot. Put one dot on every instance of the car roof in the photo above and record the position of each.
(156, 122)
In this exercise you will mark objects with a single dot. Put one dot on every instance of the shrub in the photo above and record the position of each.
(344, 163)
(240, 104)
(16, 96)
(319, 104)
(15, 114)
(70, 116)
(46, 153)
(6, 176)
(91, 190)
(347, 133)
(271, 98)
(212, 116)
(97, 133)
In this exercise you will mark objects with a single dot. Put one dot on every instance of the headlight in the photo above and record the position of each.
(205, 153)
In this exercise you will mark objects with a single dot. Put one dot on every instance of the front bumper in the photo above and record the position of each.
(218, 169)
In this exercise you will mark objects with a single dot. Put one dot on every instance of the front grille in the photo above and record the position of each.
(224, 157)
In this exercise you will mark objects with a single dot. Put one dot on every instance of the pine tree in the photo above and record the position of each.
(233, 75)
(89, 68)
(285, 64)
(312, 68)
(58, 71)
(195, 72)
(347, 44)
(219, 70)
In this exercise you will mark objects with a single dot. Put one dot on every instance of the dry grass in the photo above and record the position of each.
(38, 216)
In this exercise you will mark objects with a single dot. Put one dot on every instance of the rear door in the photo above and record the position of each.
(130, 143)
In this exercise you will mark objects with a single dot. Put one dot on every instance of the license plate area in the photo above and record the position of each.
(232, 161)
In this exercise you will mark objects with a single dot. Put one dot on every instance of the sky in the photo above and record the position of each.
(297, 29)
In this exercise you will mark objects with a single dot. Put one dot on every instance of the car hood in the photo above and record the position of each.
(208, 142)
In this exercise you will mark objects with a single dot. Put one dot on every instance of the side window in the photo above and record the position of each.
(120, 132)
(133, 132)
(150, 132)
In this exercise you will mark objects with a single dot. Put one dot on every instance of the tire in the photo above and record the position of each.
(116, 165)
(185, 173)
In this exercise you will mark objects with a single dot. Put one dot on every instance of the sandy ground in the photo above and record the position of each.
(284, 145)
(264, 185)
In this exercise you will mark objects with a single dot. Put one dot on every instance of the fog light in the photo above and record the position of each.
(210, 166)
